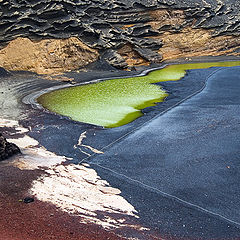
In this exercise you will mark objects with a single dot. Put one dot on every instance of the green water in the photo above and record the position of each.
(116, 102)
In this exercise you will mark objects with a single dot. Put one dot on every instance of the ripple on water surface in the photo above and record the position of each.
(116, 102)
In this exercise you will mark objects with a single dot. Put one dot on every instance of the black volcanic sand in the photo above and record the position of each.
(179, 170)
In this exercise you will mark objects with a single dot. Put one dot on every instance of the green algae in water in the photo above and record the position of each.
(116, 102)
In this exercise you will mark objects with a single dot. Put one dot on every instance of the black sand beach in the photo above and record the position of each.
(177, 165)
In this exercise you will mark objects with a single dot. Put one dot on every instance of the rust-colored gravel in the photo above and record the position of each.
(37, 220)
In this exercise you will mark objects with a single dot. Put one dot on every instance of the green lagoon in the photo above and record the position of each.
(113, 103)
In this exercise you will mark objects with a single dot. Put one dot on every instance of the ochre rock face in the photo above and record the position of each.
(197, 42)
(181, 38)
(46, 56)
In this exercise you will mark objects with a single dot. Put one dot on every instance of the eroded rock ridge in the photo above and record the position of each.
(125, 32)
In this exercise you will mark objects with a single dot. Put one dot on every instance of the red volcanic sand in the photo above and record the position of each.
(37, 220)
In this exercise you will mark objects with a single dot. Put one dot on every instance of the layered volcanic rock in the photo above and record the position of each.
(7, 149)
(135, 31)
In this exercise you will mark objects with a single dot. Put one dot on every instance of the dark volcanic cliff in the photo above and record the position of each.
(124, 32)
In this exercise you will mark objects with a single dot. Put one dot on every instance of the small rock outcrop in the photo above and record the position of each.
(114, 59)
(4, 73)
(7, 149)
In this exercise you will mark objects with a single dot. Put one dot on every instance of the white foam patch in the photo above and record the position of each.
(24, 142)
(78, 189)
(8, 123)
(32, 157)
(12, 124)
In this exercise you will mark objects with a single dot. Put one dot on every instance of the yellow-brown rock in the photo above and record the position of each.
(196, 42)
(185, 42)
(180, 38)
(131, 57)
(163, 18)
(47, 56)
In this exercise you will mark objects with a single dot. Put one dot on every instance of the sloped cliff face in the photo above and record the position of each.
(47, 56)
(124, 32)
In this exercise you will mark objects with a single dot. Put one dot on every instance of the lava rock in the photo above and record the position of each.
(149, 55)
(100, 65)
(4, 72)
(87, 19)
(28, 200)
(149, 43)
(114, 59)
(7, 149)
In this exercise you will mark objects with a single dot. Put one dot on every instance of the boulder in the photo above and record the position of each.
(4, 73)
(7, 149)
(149, 55)
(114, 59)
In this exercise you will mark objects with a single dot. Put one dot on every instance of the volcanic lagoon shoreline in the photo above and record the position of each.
(58, 134)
